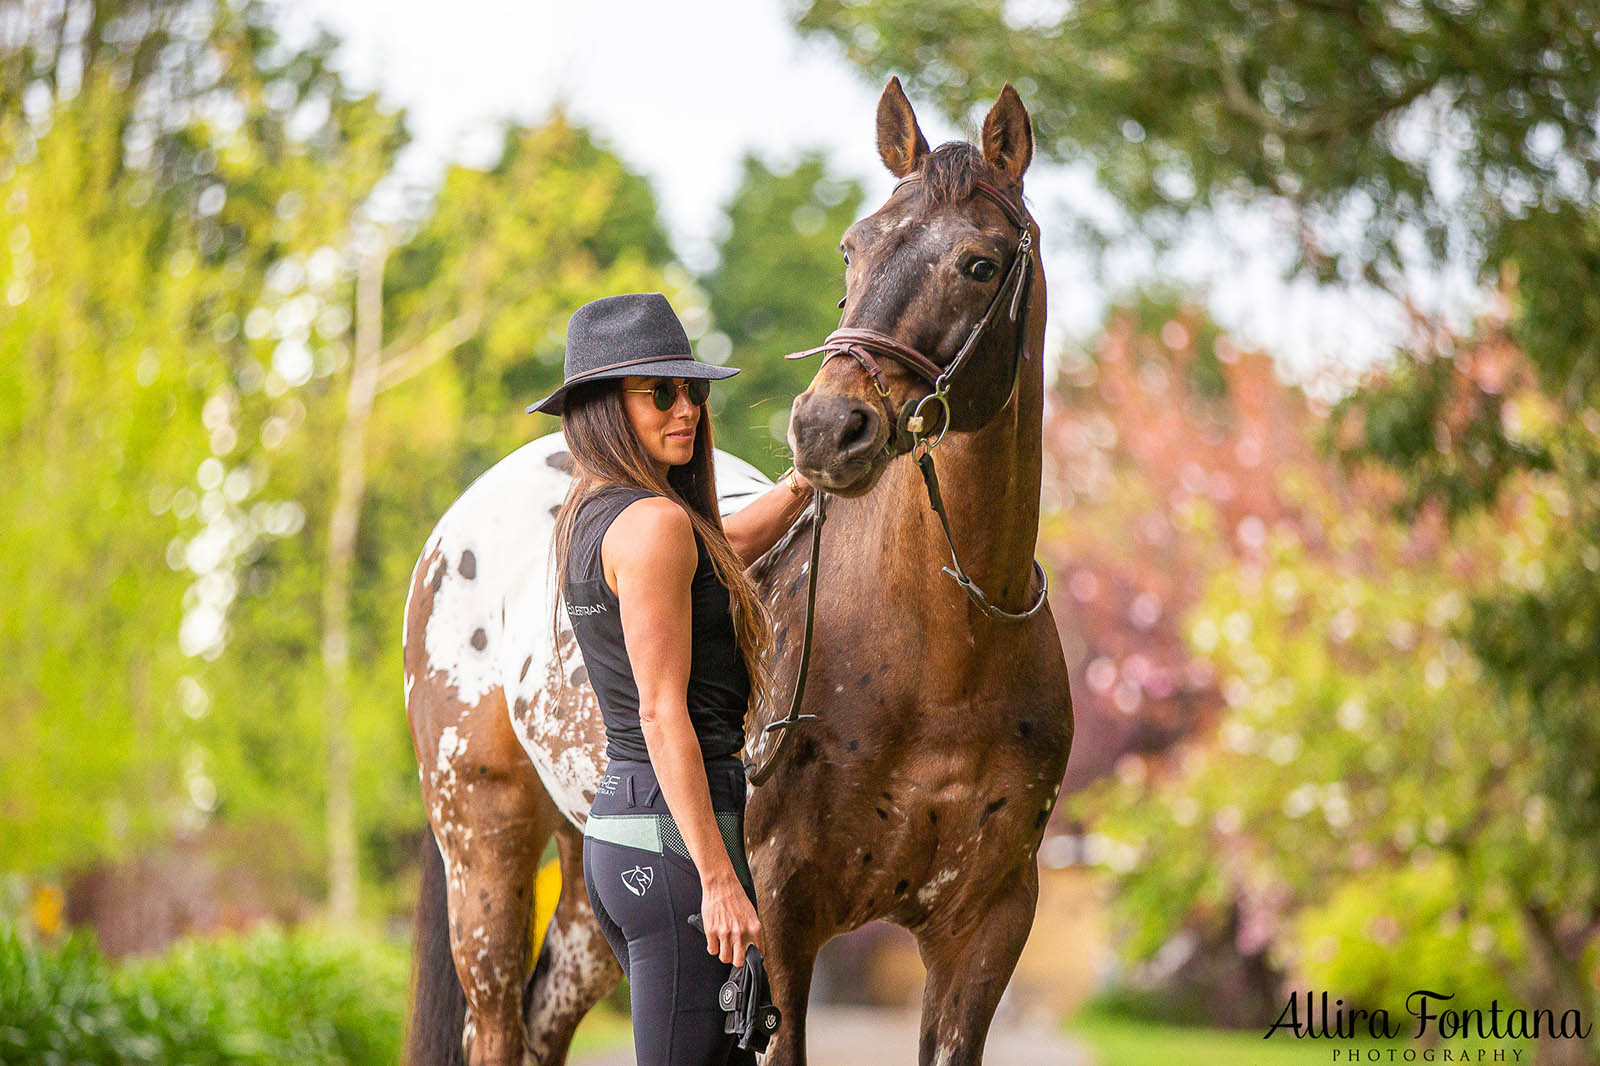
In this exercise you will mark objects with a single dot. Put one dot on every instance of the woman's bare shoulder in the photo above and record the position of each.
(652, 531)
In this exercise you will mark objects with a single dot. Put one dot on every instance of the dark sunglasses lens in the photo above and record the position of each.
(665, 393)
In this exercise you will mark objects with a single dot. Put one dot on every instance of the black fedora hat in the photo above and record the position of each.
(636, 333)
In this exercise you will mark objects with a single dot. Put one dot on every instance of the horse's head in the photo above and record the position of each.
(930, 278)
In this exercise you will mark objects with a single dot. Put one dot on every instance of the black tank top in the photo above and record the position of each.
(719, 685)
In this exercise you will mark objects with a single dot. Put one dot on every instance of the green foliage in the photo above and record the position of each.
(266, 998)
(1470, 127)
(1350, 940)
(1363, 784)
(773, 292)
(144, 232)
(1448, 434)
(1534, 630)
(554, 222)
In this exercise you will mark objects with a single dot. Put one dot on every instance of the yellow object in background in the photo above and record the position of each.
(546, 893)
(49, 908)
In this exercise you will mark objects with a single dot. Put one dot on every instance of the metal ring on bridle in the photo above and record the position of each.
(916, 422)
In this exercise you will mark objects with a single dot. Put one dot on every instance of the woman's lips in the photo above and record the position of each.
(685, 434)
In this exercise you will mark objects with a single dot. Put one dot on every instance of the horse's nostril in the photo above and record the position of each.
(856, 429)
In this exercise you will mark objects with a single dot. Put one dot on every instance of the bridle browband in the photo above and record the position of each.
(909, 431)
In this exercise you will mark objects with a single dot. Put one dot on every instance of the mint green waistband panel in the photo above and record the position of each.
(658, 833)
(630, 830)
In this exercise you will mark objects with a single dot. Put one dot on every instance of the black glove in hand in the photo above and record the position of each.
(747, 999)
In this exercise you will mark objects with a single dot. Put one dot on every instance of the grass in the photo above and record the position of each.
(602, 1029)
(1116, 1040)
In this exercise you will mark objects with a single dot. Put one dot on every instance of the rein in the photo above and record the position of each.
(910, 433)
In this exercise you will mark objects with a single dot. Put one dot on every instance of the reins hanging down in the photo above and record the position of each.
(909, 432)
(819, 514)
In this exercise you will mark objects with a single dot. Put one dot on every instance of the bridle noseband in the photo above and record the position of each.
(910, 433)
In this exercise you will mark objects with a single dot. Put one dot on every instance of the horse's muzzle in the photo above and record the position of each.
(835, 441)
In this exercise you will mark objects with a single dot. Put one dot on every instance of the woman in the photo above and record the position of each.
(674, 639)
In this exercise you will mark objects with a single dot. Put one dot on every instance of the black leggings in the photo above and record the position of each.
(643, 887)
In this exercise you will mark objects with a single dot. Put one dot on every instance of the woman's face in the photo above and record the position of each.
(667, 436)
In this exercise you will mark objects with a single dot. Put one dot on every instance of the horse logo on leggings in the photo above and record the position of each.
(638, 879)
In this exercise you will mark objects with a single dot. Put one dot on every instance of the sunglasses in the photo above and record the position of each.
(664, 393)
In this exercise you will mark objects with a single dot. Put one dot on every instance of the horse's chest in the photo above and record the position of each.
(931, 834)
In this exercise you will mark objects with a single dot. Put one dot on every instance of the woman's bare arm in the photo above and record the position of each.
(649, 555)
(757, 526)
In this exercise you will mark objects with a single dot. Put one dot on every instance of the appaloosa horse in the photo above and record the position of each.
(919, 793)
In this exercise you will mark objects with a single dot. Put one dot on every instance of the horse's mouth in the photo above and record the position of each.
(848, 479)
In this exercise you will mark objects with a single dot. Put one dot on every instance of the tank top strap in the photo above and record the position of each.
(595, 515)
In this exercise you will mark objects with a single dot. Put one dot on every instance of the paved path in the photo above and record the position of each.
(852, 1036)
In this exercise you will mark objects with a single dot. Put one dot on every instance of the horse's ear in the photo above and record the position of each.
(1007, 135)
(901, 145)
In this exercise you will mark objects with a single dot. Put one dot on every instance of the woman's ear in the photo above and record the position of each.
(901, 145)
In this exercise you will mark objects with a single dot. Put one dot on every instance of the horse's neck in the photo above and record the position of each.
(989, 482)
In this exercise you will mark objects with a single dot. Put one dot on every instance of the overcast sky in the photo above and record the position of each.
(681, 90)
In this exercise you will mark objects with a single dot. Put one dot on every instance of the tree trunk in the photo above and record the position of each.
(1569, 985)
(343, 869)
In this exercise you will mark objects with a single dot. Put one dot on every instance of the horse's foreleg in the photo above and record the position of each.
(790, 956)
(576, 966)
(969, 960)
(491, 817)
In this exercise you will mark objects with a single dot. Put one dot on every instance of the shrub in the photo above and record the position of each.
(269, 997)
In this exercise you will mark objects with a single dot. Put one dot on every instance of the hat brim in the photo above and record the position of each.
(665, 368)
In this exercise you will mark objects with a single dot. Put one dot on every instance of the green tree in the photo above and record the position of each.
(772, 292)
(170, 171)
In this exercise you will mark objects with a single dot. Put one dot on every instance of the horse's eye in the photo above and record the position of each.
(983, 269)
(846, 256)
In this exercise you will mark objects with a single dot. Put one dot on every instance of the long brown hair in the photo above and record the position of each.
(605, 451)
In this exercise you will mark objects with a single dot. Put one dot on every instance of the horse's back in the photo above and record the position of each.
(478, 614)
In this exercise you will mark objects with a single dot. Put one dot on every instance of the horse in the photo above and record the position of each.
(915, 786)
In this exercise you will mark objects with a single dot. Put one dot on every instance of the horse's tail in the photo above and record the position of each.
(438, 1006)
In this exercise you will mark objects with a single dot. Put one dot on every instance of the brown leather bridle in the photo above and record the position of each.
(909, 425)
(910, 433)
